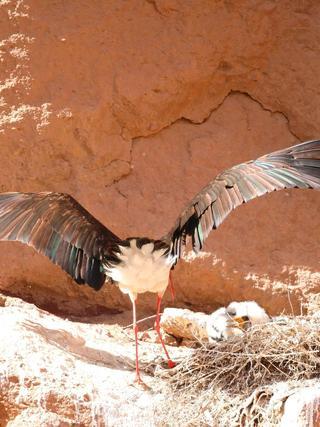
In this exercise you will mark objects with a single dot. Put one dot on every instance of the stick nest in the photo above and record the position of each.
(215, 382)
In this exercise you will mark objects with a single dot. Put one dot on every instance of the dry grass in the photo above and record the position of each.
(233, 382)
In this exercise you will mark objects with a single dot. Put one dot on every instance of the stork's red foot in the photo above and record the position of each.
(139, 384)
(171, 364)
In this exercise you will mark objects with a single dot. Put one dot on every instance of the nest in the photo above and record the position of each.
(217, 384)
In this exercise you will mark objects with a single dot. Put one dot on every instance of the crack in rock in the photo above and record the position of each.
(136, 139)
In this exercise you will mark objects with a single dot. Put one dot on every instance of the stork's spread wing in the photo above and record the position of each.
(294, 167)
(58, 227)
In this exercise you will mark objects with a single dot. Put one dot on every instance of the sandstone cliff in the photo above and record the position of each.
(131, 107)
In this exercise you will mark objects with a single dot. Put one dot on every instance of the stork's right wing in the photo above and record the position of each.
(294, 167)
(57, 226)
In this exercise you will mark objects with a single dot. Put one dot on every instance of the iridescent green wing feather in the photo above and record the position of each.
(294, 167)
(57, 226)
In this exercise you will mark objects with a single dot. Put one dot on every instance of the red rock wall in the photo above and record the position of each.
(131, 107)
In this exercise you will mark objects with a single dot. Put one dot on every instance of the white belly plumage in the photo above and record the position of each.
(142, 270)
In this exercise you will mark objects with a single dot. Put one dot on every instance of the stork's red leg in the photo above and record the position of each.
(135, 330)
(171, 286)
(171, 364)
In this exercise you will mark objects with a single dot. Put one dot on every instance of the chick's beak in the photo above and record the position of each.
(243, 322)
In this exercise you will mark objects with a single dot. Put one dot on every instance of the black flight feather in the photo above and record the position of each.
(57, 226)
(294, 167)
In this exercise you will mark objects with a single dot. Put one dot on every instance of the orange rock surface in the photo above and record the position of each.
(131, 107)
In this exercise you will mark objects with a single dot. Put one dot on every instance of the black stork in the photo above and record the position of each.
(57, 226)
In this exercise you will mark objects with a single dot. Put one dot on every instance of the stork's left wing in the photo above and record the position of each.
(294, 167)
(57, 226)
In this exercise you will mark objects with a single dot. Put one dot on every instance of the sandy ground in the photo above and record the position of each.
(56, 371)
